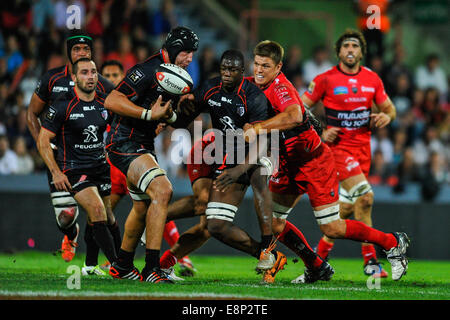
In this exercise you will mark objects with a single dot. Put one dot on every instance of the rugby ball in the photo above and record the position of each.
(173, 79)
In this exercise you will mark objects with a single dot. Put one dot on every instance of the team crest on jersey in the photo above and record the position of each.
(355, 90)
(240, 110)
(105, 114)
(136, 76)
(51, 114)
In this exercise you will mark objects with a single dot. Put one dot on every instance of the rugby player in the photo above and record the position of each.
(307, 166)
(53, 83)
(76, 122)
(347, 92)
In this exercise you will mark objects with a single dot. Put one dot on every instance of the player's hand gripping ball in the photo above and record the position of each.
(173, 79)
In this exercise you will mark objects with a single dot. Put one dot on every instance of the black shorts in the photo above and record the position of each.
(90, 177)
(122, 154)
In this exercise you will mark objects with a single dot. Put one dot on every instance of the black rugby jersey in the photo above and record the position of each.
(140, 87)
(229, 111)
(79, 127)
(58, 81)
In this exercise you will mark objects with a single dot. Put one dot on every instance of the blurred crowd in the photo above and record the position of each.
(414, 148)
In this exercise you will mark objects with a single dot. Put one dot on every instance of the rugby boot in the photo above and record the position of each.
(397, 256)
(324, 273)
(373, 268)
(280, 261)
(118, 272)
(68, 247)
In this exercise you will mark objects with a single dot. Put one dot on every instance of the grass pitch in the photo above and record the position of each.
(43, 275)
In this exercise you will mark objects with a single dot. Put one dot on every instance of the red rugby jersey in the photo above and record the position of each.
(347, 99)
(281, 94)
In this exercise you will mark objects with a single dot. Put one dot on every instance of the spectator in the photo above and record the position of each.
(292, 65)
(164, 20)
(395, 69)
(15, 57)
(381, 142)
(402, 94)
(432, 75)
(407, 171)
(434, 175)
(124, 53)
(318, 64)
(429, 143)
(24, 159)
(209, 64)
(431, 108)
(42, 11)
(399, 146)
(8, 159)
(376, 64)
(380, 171)
(299, 84)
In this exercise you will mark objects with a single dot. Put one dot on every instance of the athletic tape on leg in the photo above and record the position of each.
(327, 215)
(279, 211)
(65, 207)
(221, 211)
(148, 176)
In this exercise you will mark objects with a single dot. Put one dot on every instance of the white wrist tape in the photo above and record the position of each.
(146, 115)
(173, 118)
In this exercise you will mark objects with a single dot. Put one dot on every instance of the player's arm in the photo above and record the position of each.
(118, 102)
(290, 118)
(45, 150)
(35, 108)
(386, 114)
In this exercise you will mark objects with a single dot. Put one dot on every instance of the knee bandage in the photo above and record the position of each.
(279, 211)
(221, 211)
(327, 215)
(355, 192)
(267, 164)
(148, 176)
(66, 209)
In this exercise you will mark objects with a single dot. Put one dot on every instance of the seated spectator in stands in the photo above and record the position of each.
(429, 143)
(19, 128)
(24, 160)
(395, 69)
(381, 141)
(432, 109)
(432, 75)
(4, 75)
(380, 172)
(8, 159)
(406, 171)
(209, 64)
(318, 64)
(124, 53)
(292, 65)
(14, 56)
(376, 64)
(402, 94)
(434, 175)
(399, 146)
(299, 84)
(164, 19)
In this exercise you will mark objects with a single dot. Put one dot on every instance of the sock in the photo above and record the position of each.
(151, 259)
(356, 230)
(92, 249)
(125, 259)
(368, 252)
(70, 232)
(324, 247)
(167, 260)
(171, 234)
(115, 233)
(104, 240)
(265, 241)
(295, 240)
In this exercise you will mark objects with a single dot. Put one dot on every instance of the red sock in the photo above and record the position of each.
(171, 234)
(294, 239)
(368, 252)
(324, 247)
(356, 230)
(167, 260)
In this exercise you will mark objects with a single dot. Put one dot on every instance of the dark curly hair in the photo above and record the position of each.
(351, 33)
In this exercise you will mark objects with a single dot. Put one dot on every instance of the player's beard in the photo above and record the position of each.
(84, 88)
(353, 64)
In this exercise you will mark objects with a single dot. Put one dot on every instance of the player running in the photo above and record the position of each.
(137, 103)
(233, 101)
(77, 122)
(307, 166)
(348, 91)
(52, 84)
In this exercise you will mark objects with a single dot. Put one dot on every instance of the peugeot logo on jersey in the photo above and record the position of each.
(91, 134)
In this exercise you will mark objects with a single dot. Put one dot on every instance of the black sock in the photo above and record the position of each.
(104, 240)
(151, 259)
(115, 232)
(265, 241)
(70, 232)
(92, 249)
(125, 259)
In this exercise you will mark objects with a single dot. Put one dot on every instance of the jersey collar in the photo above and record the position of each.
(348, 74)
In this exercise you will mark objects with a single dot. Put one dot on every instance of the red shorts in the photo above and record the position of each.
(316, 177)
(199, 169)
(351, 161)
(118, 181)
